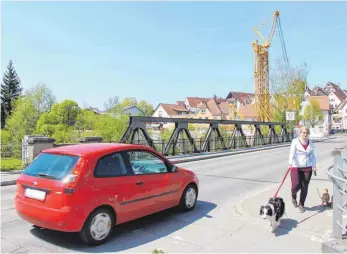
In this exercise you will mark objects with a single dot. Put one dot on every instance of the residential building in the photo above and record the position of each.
(318, 91)
(191, 103)
(340, 117)
(322, 128)
(240, 99)
(336, 95)
(133, 111)
(248, 112)
(213, 109)
(169, 111)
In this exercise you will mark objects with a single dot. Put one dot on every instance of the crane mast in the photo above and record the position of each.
(261, 70)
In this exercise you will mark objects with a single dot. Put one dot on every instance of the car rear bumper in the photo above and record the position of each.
(64, 219)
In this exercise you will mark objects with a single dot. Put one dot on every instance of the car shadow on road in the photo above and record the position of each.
(132, 234)
(286, 225)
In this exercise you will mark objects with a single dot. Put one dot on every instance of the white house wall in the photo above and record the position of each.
(161, 110)
(334, 100)
(344, 116)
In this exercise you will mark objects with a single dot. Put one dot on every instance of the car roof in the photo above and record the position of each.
(93, 149)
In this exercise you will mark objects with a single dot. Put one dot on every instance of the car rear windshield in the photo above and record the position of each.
(53, 166)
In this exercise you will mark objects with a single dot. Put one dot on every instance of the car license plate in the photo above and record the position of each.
(35, 194)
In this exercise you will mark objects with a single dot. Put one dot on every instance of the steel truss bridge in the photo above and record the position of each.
(178, 144)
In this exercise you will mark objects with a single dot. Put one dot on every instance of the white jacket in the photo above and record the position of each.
(299, 157)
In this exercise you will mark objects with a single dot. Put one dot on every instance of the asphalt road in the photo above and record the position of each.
(223, 183)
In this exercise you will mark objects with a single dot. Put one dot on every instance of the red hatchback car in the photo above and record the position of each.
(89, 188)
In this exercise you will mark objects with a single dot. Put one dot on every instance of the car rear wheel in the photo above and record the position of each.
(97, 227)
(189, 198)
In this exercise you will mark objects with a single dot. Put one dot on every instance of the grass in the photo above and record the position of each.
(9, 164)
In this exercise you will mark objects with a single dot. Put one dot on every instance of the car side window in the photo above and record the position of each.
(110, 166)
(143, 162)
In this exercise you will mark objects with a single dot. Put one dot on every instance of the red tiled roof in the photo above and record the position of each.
(213, 107)
(248, 111)
(318, 91)
(323, 101)
(224, 107)
(194, 101)
(180, 103)
(172, 109)
(337, 90)
(243, 98)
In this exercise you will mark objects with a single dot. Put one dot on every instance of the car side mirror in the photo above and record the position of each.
(174, 169)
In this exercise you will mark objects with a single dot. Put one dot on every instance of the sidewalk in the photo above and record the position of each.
(314, 225)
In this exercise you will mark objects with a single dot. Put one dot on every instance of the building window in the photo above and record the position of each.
(203, 111)
(160, 113)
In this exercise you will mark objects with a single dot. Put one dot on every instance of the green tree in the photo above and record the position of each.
(42, 98)
(22, 120)
(288, 85)
(46, 124)
(63, 133)
(28, 110)
(145, 107)
(128, 102)
(111, 128)
(85, 121)
(313, 114)
(60, 122)
(10, 92)
(111, 103)
(66, 112)
(165, 134)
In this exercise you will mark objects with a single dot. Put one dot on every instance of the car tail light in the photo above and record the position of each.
(71, 179)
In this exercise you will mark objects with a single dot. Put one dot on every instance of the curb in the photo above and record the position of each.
(9, 182)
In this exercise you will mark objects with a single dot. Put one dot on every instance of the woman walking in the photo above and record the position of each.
(302, 162)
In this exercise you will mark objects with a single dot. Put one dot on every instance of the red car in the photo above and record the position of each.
(89, 188)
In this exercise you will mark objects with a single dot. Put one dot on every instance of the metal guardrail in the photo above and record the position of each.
(338, 175)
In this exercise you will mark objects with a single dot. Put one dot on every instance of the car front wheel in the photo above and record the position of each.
(189, 198)
(98, 227)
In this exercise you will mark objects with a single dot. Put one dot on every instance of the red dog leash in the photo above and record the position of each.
(284, 178)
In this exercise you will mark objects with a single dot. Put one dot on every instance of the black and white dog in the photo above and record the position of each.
(273, 211)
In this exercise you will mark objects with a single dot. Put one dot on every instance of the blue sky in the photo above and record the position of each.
(164, 51)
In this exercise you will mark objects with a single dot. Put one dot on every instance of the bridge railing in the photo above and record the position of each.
(338, 174)
(196, 145)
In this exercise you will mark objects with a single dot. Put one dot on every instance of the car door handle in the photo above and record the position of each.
(139, 183)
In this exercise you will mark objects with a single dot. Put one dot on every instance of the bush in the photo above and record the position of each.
(9, 164)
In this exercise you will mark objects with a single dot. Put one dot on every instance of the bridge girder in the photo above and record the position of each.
(137, 125)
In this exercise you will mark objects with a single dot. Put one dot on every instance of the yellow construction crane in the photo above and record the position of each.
(261, 68)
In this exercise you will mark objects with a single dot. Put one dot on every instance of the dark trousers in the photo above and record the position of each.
(300, 180)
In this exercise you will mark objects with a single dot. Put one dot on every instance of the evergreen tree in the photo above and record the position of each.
(10, 91)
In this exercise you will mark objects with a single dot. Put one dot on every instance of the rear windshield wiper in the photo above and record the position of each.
(46, 175)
